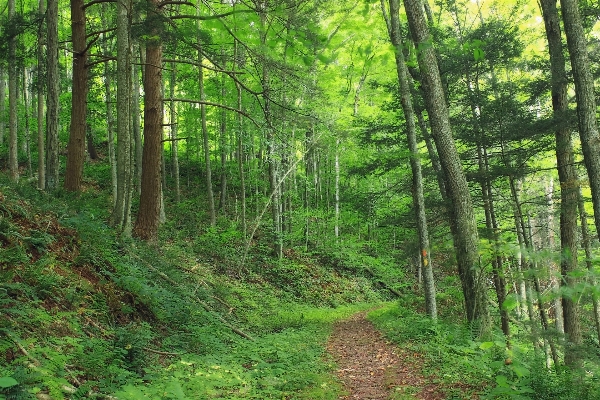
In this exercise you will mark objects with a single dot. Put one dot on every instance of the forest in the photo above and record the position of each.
(299, 199)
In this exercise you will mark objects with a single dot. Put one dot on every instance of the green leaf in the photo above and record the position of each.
(501, 380)
(486, 345)
(510, 303)
(7, 381)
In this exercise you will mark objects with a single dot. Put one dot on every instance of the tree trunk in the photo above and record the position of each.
(137, 123)
(2, 102)
(13, 149)
(587, 245)
(590, 143)
(146, 224)
(27, 106)
(76, 145)
(207, 165)
(121, 212)
(415, 163)
(40, 102)
(461, 209)
(52, 100)
(174, 128)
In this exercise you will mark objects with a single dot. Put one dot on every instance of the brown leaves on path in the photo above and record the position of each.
(372, 368)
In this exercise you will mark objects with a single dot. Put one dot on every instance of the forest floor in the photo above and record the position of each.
(372, 368)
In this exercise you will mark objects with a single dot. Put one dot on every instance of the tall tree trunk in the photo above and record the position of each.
(121, 218)
(207, 165)
(415, 163)
(461, 210)
(590, 143)
(52, 100)
(40, 100)
(146, 224)
(27, 106)
(273, 166)
(587, 245)
(76, 145)
(240, 142)
(110, 120)
(174, 128)
(137, 123)
(2, 102)
(13, 149)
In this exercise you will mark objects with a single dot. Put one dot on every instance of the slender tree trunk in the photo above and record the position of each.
(41, 68)
(465, 238)
(415, 163)
(240, 141)
(174, 129)
(52, 101)
(587, 245)
(110, 131)
(147, 222)
(337, 188)
(76, 145)
(124, 89)
(27, 106)
(137, 123)
(271, 151)
(2, 101)
(13, 149)
(207, 165)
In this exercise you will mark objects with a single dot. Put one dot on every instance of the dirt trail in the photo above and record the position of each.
(371, 368)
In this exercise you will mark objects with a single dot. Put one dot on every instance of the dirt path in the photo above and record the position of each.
(372, 368)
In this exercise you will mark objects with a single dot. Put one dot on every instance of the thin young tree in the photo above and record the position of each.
(13, 149)
(393, 23)
(40, 79)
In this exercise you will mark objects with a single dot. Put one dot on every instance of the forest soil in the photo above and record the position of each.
(372, 368)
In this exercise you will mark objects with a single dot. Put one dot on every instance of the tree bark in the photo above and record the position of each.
(147, 222)
(76, 145)
(121, 212)
(461, 208)
(415, 162)
(40, 101)
(207, 164)
(13, 149)
(52, 100)
(590, 144)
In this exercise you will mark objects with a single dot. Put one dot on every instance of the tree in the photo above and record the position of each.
(13, 149)
(76, 144)
(393, 23)
(569, 182)
(146, 224)
(590, 144)
(461, 208)
(52, 99)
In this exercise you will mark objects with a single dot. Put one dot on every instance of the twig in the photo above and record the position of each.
(162, 353)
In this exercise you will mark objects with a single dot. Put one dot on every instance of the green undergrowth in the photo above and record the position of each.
(463, 366)
(86, 314)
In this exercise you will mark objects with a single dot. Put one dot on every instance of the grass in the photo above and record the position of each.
(87, 314)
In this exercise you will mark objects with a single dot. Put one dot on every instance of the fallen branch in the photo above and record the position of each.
(162, 353)
(201, 302)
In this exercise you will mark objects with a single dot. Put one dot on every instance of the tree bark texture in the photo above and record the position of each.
(147, 222)
(41, 169)
(13, 149)
(461, 208)
(590, 144)
(415, 162)
(52, 99)
(76, 145)
(121, 212)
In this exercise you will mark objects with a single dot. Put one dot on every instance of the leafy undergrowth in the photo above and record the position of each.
(466, 368)
(85, 314)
